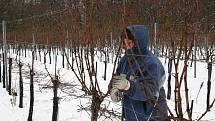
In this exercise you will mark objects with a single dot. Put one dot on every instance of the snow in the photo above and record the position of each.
(69, 104)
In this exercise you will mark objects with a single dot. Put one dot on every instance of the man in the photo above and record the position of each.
(139, 79)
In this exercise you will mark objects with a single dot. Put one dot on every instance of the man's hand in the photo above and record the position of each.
(115, 95)
(120, 82)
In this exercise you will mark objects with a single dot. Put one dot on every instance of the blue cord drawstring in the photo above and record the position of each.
(153, 109)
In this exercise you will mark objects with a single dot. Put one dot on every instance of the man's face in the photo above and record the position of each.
(128, 44)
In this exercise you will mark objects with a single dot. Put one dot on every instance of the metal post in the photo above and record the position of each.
(34, 44)
(5, 51)
(67, 43)
(206, 49)
(14, 46)
(112, 44)
(156, 42)
(195, 49)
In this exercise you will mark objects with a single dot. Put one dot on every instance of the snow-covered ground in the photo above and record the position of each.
(69, 104)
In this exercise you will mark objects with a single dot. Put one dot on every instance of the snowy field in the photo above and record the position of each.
(70, 104)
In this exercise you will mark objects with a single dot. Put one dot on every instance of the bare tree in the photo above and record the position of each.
(31, 108)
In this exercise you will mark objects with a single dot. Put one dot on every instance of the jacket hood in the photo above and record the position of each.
(140, 33)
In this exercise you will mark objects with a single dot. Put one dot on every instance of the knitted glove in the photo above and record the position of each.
(120, 82)
(115, 95)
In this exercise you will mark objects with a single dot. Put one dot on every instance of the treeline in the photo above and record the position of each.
(56, 20)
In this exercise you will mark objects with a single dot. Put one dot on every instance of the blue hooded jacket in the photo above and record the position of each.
(146, 98)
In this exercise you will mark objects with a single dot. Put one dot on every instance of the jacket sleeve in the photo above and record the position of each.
(147, 87)
(120, 66)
